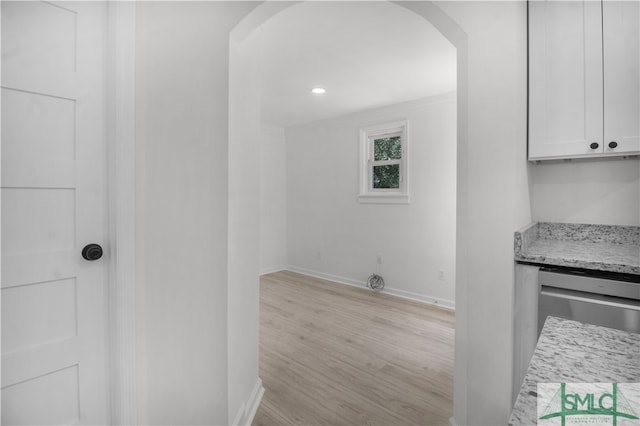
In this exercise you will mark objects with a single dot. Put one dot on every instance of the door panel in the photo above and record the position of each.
(53, 203)
(39, 313)
(42, 407)
(27, 116)
(23, 232)
(48, 39)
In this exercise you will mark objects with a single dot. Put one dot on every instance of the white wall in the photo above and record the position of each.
(587, 191)
(493, 201)
(182, 106)
(273, 199)
(245, 388)
(330, 234)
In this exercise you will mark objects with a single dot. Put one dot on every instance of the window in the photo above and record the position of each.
(383, 163)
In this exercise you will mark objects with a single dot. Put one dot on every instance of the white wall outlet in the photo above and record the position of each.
(318, 255)
(441, 274)
(379, 259)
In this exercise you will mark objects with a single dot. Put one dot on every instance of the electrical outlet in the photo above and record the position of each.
(379, 259)
(318, 255)
(441, 274)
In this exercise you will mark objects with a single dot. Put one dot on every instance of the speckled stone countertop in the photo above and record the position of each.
(597, 247)
(573, 352)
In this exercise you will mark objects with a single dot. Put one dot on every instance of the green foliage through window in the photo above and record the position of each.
(387, 148)
(386, 177)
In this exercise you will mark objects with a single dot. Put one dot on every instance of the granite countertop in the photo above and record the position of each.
(597, 247)
(573, 352)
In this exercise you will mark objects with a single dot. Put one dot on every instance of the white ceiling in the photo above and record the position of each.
(365, 54)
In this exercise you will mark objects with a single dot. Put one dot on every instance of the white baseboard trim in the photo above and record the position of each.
(272, 269)
(247, 411)
(444, 303)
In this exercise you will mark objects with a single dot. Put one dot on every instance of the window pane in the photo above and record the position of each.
(386, 176)
(387, 148)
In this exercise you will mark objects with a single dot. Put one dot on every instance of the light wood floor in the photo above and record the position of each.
(332, 354)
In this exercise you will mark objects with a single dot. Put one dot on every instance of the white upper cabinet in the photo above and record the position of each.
(621, 48)
(584, 83)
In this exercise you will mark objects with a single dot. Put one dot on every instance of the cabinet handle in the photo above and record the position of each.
(594, 145)
(613, 144)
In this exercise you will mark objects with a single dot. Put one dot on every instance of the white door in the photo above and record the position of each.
(565, 79)
(621, 48)
(53, 204)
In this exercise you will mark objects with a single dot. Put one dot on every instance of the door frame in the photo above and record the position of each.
(121, 161)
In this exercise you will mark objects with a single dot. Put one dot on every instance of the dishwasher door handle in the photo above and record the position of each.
(614, 302)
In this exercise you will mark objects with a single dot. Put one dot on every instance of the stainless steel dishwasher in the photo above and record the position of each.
(609, 300)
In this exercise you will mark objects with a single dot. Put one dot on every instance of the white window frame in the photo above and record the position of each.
(369, 194)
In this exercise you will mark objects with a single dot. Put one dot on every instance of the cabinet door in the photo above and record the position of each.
(565, 79)
(621, 21)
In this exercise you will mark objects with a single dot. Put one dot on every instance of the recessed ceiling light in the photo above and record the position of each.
(318, 91)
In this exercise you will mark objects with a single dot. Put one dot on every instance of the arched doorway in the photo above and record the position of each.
(242, 89)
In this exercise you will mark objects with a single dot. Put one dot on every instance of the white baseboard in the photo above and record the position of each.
(272, 269)
(445, 303)
(247, 411)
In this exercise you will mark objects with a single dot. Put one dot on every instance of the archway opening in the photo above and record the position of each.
(259, 20)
